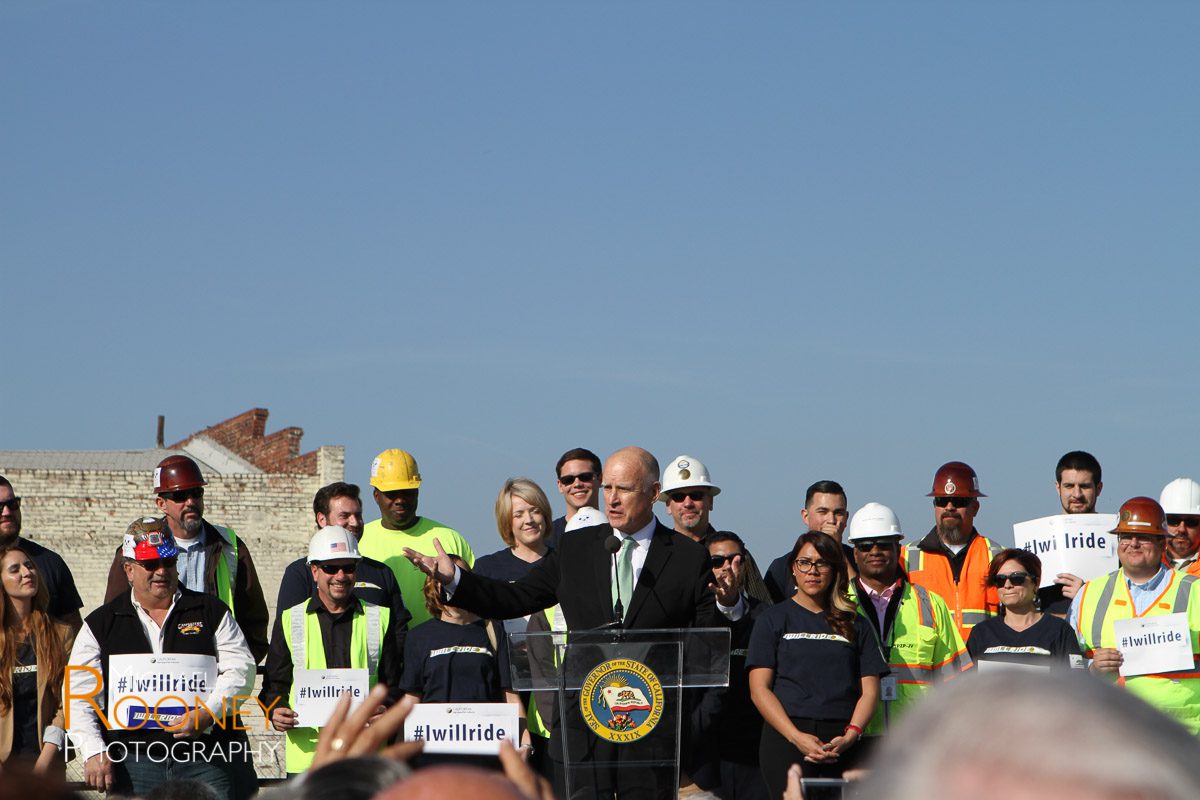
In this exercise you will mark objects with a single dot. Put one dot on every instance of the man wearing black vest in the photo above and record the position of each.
(156, 617)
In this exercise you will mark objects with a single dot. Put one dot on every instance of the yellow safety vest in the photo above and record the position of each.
(302, 631)
(537, 726)
(922, 647)
(1106, 600)
(227, 567)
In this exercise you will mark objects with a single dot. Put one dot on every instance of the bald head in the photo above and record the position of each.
(630, 487)
(438, 783)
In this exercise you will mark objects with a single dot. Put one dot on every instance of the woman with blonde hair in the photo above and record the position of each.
(33, 655)
(814, 668)
(523, 521)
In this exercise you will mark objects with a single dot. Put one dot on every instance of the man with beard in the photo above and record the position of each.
(688, 493)
(64, 597)
(1180, 500)
(914, 628)
(578, 476)
(212, 559)
(953, 559)
(334, 629)
(1077, 481)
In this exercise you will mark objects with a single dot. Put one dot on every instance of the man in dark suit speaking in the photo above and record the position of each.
(670, 576)
(656, 578)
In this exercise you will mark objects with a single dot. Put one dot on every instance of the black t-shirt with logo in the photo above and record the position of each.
(1049, 642)
(818, 674)
(445, 663)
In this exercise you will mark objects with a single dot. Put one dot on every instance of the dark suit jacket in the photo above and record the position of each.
(671, 592)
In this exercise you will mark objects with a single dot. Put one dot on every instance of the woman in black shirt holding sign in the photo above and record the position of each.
(33, 653)
(1022, 634)
(814, 668)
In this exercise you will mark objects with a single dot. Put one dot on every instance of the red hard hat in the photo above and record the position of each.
(1140, 515)
(955, 479)
(177, 472)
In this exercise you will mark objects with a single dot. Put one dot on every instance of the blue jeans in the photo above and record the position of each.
(147, 765)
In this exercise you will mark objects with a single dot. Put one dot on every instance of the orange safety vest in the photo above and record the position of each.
(970, 599)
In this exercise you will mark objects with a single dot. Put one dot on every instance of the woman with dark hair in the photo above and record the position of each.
(814, 667)
(33, 654)
(1022, 633)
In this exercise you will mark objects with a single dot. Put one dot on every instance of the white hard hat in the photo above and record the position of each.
(1181, 496)
(874, 521)
(331, 543)
(585, 518)
(686, 472)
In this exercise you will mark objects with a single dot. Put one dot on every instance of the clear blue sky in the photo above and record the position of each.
(795, 240)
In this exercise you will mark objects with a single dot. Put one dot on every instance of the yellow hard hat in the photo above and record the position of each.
(394, 469)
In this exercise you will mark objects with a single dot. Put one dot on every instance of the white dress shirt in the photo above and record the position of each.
(235, 674)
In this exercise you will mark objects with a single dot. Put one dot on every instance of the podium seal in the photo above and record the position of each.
(621, 700)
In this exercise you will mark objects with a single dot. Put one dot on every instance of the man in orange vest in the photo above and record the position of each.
(953, 559)
(1180, 500)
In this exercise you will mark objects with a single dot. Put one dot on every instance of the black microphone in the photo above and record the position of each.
(613, 545)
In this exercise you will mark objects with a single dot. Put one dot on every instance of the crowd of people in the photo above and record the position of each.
(832, 647)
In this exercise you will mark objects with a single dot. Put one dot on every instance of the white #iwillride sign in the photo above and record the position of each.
(148, 691)
(1076, 543)
(318, 690)
(1151, 645)
(476, 728)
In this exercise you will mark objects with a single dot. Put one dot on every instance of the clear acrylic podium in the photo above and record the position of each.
(619, 706)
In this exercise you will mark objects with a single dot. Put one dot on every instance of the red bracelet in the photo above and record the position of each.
(853, 727)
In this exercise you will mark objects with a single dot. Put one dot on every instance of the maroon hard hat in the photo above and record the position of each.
(177, 472)
(955, 479)
(1140, 515)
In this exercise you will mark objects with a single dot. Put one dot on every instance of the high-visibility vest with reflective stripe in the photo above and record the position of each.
(923, 647)
(970, 599)
(533, 717)
(227, 567)
(1106, 600)
(302, 632)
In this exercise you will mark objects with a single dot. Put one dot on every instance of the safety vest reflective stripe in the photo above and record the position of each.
(365, 648)
(226, 576)
(924, 606)
(1185, 590)
(972, 618)
(1102, 607)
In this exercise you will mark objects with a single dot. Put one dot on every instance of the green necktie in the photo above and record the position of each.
(624, 581)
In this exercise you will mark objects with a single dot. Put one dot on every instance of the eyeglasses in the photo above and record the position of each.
(866, 547)
(957, 502)
(155, 564)
(13, 504)
(586, 477)
(183, 495)
(1137, 538)
(1015, 578)
(1174, 520)
(807, 565)
(334, 569)
(718, 561)
(696, 495)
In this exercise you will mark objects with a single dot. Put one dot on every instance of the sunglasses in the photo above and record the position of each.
(866, 547)
(1177, 519)
(154, 565)
(1015, 578)
(696, 495)
(957, 502)
(1137, 538)
(334, 569)
(718, 561)
(586, 477)
(183, 495)
(13, 504)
